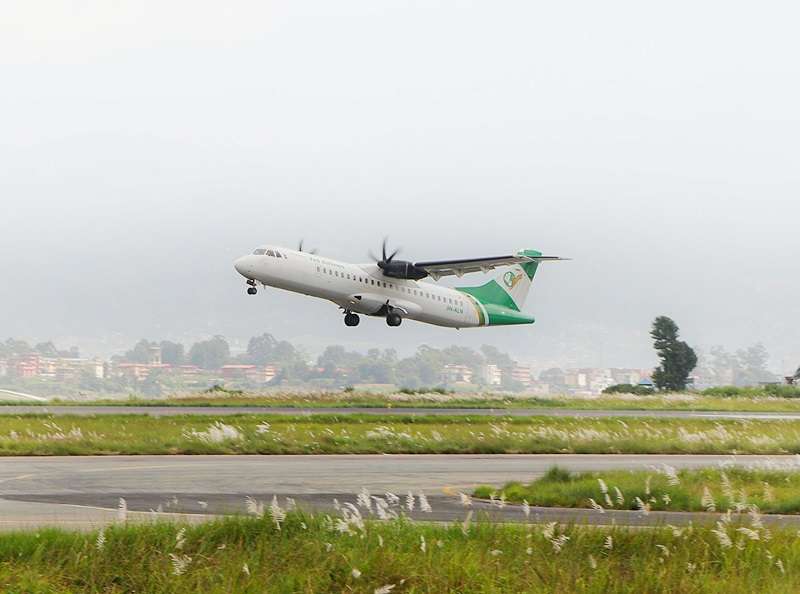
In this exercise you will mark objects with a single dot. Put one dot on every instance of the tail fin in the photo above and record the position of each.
(507, 291)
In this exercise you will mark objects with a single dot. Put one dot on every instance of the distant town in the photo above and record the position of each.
(161, 368)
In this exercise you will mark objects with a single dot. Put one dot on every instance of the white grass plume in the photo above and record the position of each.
(410, 502)
(180, 538)
(122, 510)
(673, 480)
(277, 513)
(253, 507)
(179, 563)
(465, 523)
(722, 536)
(424, 506)
(596, 506)
(558, 542)
(707, 500)
(101, 540)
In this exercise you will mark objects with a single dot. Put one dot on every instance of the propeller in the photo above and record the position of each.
(397, 268)
(300, 248)
(384, 260)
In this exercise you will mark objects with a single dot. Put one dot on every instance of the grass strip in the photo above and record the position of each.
(307, 553)
(737, 402)
(366, 434)
(664, 488)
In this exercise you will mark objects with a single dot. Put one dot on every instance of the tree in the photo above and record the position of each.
(47, 349)
(678, 359)
(753, 362)
(172, 353)
(261, 349)
(140, 352)
(211, 353)
(493, 356)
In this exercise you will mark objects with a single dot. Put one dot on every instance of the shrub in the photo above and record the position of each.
(628, 389)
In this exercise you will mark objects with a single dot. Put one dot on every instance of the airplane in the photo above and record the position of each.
(394, 289)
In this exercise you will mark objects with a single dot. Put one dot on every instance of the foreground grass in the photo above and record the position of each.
(717, 489)
(351, 434)
(306, 553)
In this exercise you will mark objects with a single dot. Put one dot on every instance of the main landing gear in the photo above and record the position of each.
(351, 319)
(393, 319)
(251, 289)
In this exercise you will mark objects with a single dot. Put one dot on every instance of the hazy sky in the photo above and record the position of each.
(144, 145)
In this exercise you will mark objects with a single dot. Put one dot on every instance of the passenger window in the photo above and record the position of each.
(336, 273)
(317, 268)
(372, 281)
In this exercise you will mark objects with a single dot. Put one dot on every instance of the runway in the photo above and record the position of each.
(160, 411)
(84, 492)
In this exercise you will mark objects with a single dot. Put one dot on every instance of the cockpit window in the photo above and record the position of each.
(270, 253)
(278, 254)
(259, 252)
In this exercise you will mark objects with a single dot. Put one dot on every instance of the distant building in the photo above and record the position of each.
(249, 373)
(27, 365)
(135, 371)
(188, 370)
(491, 375)
(453, 374)
(154, 355)
(521, 374)
(236, 372)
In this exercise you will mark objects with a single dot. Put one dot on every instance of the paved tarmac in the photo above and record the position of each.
(160, 411)
(84, 491)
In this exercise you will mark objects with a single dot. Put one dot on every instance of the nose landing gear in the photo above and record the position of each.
(251, 289)
(351, 319)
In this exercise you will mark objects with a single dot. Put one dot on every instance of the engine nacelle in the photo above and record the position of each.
(402, 269)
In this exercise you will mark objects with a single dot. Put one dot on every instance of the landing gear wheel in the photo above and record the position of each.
(351, 319)
(252, 290)
(394, 319)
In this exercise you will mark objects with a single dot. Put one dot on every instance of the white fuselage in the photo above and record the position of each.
(360, 288)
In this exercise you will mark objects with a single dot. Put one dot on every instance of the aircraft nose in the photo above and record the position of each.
(242, 266)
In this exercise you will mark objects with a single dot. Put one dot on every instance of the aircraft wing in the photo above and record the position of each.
(440, 268)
